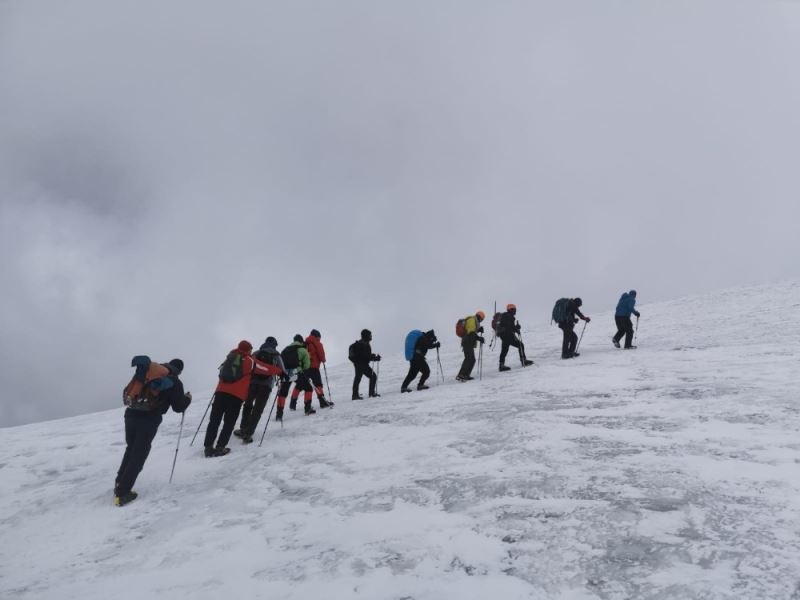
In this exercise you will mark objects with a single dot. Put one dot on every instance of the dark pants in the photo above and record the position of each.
(140, 429)
(469, 359)
(253, 407)
(364, 370)
(418, 365)
(570, 339)
(316, 380)
(624, 327)
(511, 341)
(225, 406)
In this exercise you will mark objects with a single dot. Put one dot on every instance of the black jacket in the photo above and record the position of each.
(507, 328)
(362, 353)
(427, 341)
(572, 310)
(269, 355)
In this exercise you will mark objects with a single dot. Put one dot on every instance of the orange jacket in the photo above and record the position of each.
(315, 351)
(250, 366)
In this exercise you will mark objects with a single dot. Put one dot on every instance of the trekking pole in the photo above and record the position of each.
(174, 460)
(203, 419)
(636, 331)
(580, 338)
(439, 360)
(325, 369)
(269, 416)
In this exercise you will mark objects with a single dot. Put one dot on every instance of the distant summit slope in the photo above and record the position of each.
(671, 471)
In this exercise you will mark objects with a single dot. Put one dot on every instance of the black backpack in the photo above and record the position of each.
(352, 351)
(498, 330)
(290, 358)
(560, 310)
(231, 370)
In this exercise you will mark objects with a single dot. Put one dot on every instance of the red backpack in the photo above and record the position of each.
(461, 328)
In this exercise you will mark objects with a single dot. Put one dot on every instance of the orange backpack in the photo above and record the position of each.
(143, 390)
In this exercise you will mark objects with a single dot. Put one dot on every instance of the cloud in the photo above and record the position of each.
(176, 177)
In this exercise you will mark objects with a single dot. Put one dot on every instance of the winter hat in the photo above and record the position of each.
(510, 307)
(178, 364)
(481, 315)
(633, 293)
(578, 302)
(316, 333)
(245, 347)
(298, 338)
(271, 342)
(366, 334)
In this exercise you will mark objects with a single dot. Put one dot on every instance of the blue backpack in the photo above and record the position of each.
(411, 342)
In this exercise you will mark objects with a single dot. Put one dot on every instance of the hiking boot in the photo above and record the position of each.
(310, 410)
(404, 390)
(279, 414)
(575, 355)
(293, 405)
(358, 397)
(324, 403)
(527, 363)
(375, 395)
(421, 387)
(504, 368)
(123, 499)
(247, 439)
(221, 451)
(630, 347)
(238, 433)
(615, 342)
(208, 452)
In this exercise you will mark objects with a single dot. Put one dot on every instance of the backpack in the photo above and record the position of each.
(411, 342)
(290, 358)
(496, 324)
(461, 328)
(560, 310)
(231, 370)
(352, 352)
(142, 393)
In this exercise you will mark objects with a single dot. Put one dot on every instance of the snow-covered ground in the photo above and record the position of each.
(672, 471)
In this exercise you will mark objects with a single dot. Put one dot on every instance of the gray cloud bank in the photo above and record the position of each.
(177, 176)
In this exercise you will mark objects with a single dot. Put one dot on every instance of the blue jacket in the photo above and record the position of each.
(625, 306)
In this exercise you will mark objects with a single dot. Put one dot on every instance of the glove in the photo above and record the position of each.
(588, 319)
(480, 329)
(518, 328)
(378, 357)
(638, 314)
(576, 321)
(437, 345)
(481, 340)
(188, 396)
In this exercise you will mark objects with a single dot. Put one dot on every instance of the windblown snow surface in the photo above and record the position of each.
(672, 471)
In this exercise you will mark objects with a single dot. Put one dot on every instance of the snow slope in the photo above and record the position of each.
(667, 472)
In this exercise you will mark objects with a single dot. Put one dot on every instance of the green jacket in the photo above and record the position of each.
(303, 359)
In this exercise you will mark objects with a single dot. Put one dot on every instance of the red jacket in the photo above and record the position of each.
(250, 366)
(315, 351)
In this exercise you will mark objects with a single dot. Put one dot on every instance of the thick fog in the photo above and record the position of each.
(177, 176)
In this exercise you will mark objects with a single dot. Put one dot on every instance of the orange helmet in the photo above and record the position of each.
(480, 314)
(511, 307)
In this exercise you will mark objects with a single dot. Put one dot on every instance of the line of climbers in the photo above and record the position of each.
(246, 379)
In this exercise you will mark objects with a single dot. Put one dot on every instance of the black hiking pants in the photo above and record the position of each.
(624, 327)
(225, 410)
(140, 429)
(570, 339)
(253, 407)
(469, 359)
(364, 370)
(418, 365)
(507, 342)
(316, 380)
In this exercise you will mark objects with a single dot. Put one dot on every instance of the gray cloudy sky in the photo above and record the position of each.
(175, 176)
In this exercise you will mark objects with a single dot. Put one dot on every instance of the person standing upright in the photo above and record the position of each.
(360, 354)
(508, 330)
(469, 341)
(622, 317)
(316, 352)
